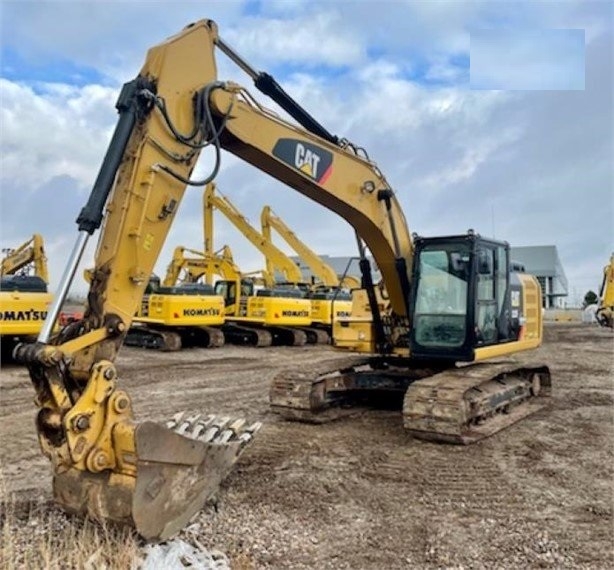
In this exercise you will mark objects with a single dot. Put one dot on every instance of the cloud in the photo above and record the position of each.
(280, 40)
(112, 37)
(51, 130)
(527, 59)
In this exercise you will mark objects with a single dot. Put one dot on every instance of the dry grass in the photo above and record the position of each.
(35, 533)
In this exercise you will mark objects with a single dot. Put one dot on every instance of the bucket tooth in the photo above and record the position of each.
(221, 422)
(175, 420)
(224, 436)
(236, 425)
(254, 427)
(209, 434)
(200, 427)
(249, 432)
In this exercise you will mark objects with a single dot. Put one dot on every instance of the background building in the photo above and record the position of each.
(543, 262)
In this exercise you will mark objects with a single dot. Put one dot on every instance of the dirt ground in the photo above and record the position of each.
(360, 493)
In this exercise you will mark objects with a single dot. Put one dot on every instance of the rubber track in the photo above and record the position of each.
(173, 340)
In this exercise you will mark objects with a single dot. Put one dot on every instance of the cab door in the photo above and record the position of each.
(492, 311)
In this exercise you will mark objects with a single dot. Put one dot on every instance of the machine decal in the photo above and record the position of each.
(311, 160)
(29, 315)
(201, 312)
(295, 313)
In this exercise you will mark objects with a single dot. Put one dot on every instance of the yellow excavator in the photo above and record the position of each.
(205, 267)
(254, 315)
(323, 273)
(329, 296)
(453, 299)
(174, 317)
(605, 309)
(24, 299)
(27, 259)
(275, 259)
(291, 287)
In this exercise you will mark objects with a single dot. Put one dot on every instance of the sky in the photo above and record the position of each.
(495, 116)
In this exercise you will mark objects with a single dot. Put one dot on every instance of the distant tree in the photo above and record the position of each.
(590, 298)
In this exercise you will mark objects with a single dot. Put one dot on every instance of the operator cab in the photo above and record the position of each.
(461, 298)
(227, 288)
(23, 284)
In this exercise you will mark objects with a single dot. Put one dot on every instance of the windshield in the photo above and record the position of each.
(441, 296)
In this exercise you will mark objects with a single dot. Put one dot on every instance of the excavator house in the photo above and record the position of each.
(24, 299)
(447, 340)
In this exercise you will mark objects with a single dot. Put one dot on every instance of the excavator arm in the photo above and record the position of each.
(324, 273)
(105, 463)
(198, 264)
(275, 258)
(29, 253)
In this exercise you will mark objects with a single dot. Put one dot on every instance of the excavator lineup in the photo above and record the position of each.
(329, 295)
(254, 315)
(288, 310)
(605, 309)
(452, 299)
(324, 275)
(24, 299)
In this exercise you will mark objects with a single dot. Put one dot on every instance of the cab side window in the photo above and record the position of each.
(486, 310)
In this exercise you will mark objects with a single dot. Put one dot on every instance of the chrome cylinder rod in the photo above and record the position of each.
(236, 58)
(64, 287)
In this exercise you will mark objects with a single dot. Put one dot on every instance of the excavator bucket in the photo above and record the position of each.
(178, 468)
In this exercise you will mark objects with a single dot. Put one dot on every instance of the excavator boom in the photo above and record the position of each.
(30, 253)
(323, 272)
(274, 257)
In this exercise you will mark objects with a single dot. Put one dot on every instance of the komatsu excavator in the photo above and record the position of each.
(605, 309)
(255, 316)
(173, 317)
(329, 300)
(24, 299)
(276, 260)
(323, 273)
(453, 298)
(27, 259)
(291, 287)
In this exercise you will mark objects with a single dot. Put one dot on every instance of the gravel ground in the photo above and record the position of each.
(359, 492)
